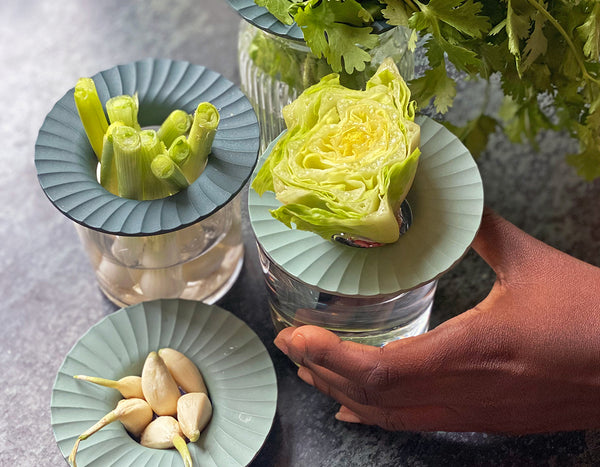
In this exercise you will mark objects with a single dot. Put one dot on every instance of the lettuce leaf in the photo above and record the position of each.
(348, 158)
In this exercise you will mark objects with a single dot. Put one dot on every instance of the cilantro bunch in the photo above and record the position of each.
(538, 48)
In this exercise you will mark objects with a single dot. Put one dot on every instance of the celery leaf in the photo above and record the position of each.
(278, 8)
(459, 14)
(590, 33)
(437, 85)
(536, 45)
(333, 29)
(396, 12)
(517, 28)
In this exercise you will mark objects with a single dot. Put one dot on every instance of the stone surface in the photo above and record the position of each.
(50, 297)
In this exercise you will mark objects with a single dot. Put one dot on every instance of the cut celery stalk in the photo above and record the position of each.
(152, 146)
(176, 124)
(200, 139)
(91, 113)
(128, 251)
(179, 151)
(115, 273)
(168, 173)
(128, 161)
(124, 109)
(108, 169)
(161, 251)
(162, 277)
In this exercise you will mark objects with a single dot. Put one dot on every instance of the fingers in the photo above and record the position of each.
(362, 413)
(349, 416)
(379, 367)
(338, 387)
(419, 418)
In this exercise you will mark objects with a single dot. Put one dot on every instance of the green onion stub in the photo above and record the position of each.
(178, 123)
(348, 158)
(168, 173)
(91, 113)
(128, 161)
(124, 109)
(201, 137)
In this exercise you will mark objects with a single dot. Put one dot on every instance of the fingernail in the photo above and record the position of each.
(347, 417)
(281, 344)
(305, 375)
(299, 343)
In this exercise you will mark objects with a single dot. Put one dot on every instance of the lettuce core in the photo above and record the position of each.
(347, 159)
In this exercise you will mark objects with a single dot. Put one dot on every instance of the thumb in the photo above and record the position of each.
(503, 246)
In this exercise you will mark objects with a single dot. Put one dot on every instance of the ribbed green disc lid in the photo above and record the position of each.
(66, 165)
(446, 199)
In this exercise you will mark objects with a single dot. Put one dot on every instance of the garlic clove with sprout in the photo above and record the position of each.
(194, 411)
(159, 387)
(163, 433)
(128, 386)
(135, 415)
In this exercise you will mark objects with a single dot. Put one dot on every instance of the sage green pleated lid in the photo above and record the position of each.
(66, 164)
(235, 365)
(446, 200)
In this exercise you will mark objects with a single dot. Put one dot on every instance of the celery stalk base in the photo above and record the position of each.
(200, 262)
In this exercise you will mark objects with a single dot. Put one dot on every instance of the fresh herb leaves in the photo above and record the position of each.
(539, 48)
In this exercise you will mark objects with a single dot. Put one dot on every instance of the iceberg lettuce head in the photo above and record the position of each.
(347, 159)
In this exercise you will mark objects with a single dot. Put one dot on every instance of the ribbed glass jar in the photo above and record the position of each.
(373, 320)
(274, 70)
(200, 262)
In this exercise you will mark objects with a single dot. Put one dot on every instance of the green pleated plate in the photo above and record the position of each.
(446, 199)
(66, 164)
(237, 370)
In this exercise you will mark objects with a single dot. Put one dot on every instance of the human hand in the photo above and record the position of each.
(526, 359)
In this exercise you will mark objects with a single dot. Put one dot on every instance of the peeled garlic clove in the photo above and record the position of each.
(185, 372)
(164, 433)
(193, 412)
(128, 386)
(158, 386)
(160, 432)
(135, 414)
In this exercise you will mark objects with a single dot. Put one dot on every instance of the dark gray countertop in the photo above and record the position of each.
(51, 297)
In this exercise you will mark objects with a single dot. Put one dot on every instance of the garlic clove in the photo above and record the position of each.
(135, 415)
(194, 411)
(184, 371)
(158, 386)
(164, 433)
(160, 432)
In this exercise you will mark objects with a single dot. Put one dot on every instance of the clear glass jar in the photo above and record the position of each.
(274, 70)
(199, 262)
(372, 320)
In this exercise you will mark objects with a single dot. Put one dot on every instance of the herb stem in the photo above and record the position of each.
(412, 5)
(567, 38)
